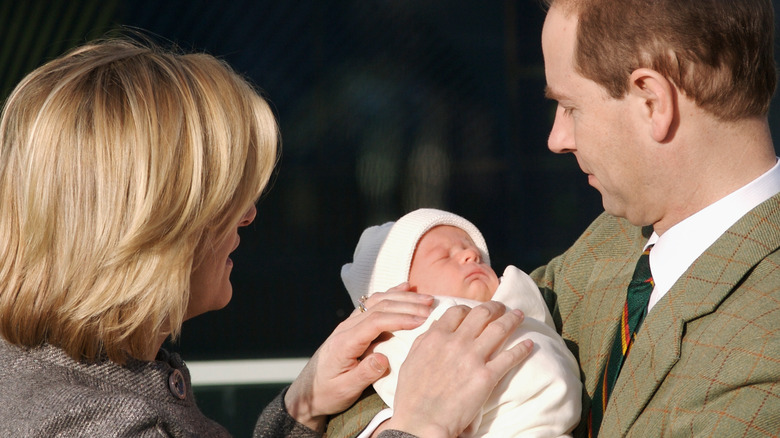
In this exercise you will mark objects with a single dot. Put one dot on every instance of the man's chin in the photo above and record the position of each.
(612, 208)
(636, 218)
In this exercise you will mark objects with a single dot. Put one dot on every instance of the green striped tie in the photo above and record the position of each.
(634, 312)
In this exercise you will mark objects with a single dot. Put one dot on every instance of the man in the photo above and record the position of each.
(664, 104)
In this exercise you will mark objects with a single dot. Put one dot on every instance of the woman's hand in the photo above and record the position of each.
(341, 369)
(452, 369)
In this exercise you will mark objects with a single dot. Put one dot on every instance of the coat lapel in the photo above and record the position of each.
(709, 281)
(608, 279)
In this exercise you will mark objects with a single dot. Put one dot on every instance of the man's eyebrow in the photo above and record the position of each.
(552, 94)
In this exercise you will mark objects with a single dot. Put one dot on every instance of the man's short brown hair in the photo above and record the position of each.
(720, 53)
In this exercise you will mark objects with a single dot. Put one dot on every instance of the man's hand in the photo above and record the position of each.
(452, 369)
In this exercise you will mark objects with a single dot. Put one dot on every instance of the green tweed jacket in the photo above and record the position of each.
(707, 359)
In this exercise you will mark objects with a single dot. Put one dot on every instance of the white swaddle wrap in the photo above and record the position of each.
(539, 398)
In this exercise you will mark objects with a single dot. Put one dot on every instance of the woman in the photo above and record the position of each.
(125, 173)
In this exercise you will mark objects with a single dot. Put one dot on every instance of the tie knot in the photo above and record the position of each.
(642, 272)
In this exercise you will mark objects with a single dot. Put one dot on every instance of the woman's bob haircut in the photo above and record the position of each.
(118, 160)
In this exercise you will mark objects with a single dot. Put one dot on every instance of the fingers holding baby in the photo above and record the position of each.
(452, 368)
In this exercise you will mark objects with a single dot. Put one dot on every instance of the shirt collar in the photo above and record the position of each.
(683, 243)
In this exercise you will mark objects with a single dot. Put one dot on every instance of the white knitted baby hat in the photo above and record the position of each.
(384, 253)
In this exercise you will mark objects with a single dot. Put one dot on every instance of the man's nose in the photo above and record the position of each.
(561, 139)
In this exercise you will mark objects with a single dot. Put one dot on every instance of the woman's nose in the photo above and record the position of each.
(248, 217)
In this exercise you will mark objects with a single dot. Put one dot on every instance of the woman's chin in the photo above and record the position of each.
(218, 302)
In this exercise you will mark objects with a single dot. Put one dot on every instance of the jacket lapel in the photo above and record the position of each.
(609, 278)
(709, 281)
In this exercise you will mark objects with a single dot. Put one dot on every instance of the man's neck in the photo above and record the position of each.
(725, 157)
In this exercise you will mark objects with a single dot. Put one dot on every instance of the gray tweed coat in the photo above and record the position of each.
(45, 393)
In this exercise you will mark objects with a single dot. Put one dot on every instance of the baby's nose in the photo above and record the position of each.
(471, 255)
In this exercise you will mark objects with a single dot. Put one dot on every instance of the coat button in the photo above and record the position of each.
(177, 385)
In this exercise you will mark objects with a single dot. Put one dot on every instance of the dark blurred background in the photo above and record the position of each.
(385, 106)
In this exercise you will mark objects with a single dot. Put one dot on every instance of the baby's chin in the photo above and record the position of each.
(475, 290)
(478, 291)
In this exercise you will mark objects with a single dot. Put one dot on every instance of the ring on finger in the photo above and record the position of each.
(362, 303)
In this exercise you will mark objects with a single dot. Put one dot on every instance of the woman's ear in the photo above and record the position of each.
(658, 98)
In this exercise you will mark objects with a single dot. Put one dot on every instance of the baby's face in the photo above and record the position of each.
(447, 262)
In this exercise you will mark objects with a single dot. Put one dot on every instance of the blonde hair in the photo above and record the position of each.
(118, 161)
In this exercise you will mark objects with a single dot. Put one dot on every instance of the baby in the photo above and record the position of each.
(444, 255)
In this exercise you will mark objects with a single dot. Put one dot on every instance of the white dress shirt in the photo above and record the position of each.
(682, 244)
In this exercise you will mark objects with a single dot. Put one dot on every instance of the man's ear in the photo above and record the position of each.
(658, 95)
